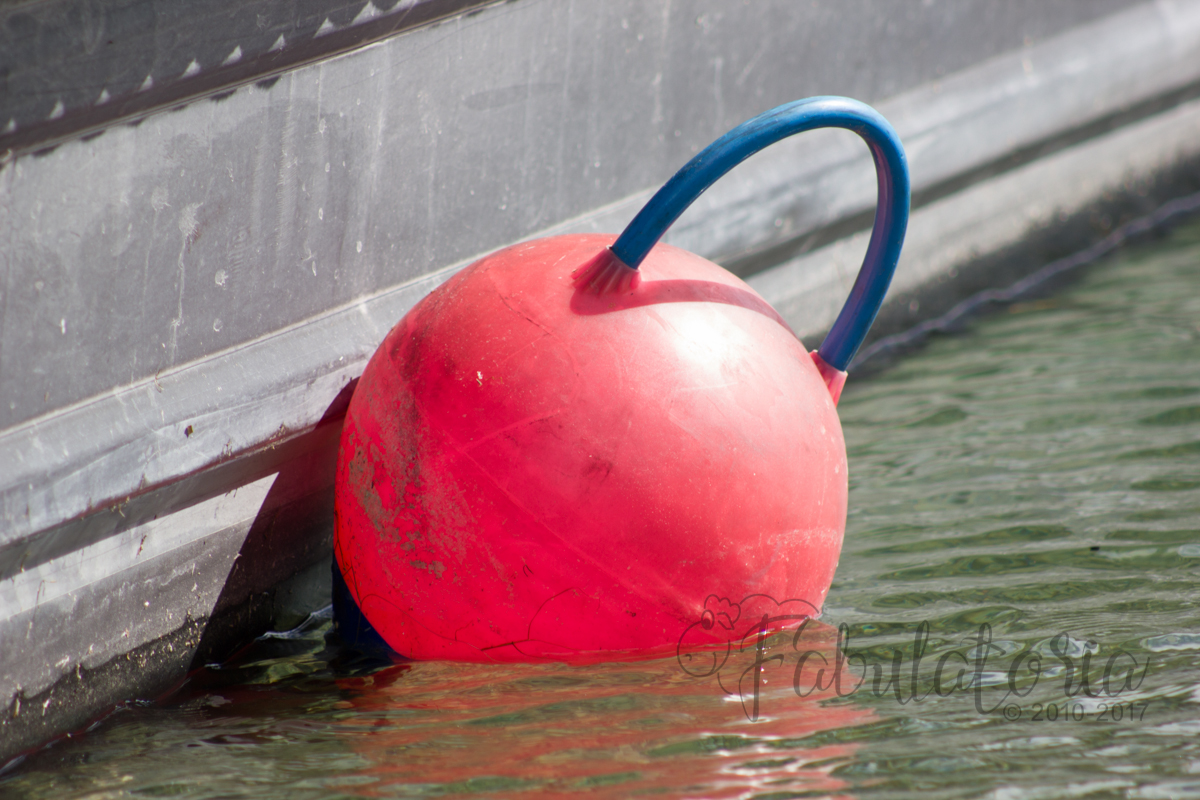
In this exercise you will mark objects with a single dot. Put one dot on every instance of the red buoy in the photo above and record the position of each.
(554, 457)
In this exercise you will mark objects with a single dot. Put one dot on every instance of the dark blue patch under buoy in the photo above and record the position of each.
(355, 631)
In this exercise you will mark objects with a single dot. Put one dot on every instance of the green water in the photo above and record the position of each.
(1033, 481)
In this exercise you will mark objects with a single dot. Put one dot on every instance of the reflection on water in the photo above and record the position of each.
(1019, 587)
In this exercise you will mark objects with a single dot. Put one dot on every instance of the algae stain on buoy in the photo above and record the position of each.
(574, 445)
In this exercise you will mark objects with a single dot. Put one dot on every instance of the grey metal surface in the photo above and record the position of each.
(147, 598)
(151, 433)
(69, 68)
(204, 228)
(185, 304)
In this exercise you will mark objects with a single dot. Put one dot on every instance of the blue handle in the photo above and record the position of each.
(891, 212)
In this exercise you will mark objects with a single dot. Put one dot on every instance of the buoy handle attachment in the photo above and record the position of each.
(891, 211)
